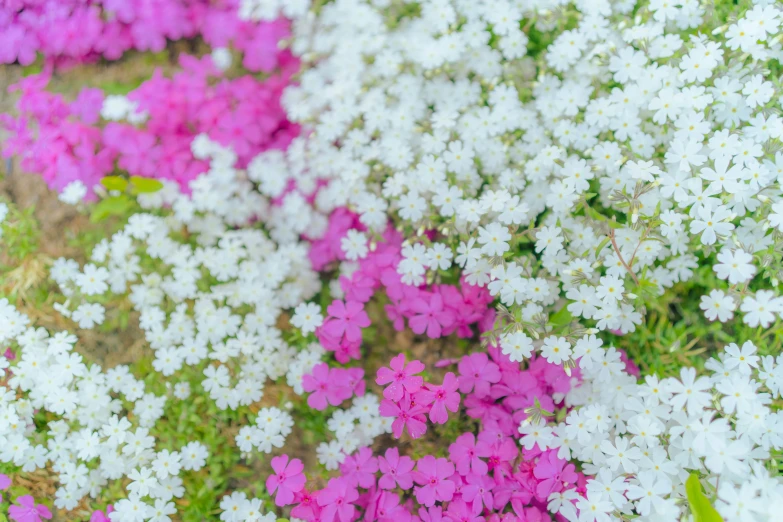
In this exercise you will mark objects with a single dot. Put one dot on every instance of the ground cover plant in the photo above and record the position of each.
(384, 260)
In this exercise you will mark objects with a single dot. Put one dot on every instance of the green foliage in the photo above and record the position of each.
(122, 204)
(112, 206)
(700, 505)
(21, 232)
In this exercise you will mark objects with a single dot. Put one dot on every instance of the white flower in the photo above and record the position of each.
(717, 305)
(307, 317)
(88, 315)
(73, 193)
(517, 346)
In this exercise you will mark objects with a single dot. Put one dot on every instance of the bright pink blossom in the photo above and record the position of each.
(336, 500)
(554, 473)
(464, 454)
(442, 398)
(477, 373)
(405, 417)
(287, 480)
(396, 470)
(359, 469)
(28, 511)
(345, 318)
(400, 378)
(327, 387)
(430, 315)
(432, 476)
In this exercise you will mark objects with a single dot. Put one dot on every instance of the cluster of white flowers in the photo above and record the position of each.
(272, 427)
(641, 442)
(215, 304)
(238, 508)
(588, 177)
(208, 298)
(90, 440)
(444, 120)
(353, 428)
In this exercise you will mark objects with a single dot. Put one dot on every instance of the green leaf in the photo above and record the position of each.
(601, 245)
(700, 504)
(114, 183)
(113, 206)
(141, 185)
(561, 318)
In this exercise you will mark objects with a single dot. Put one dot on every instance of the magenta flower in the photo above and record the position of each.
(477, 372)
(499, 454)
(459, 511)
(406, 416)
(359, 469)
(28, 511)
(5, 483)
(337, 500)
(442, 398)
(396, 470)
(389, 509)
(287, 480)
(554, 473)
(346, 318)
(431, 316)
(400, 378)
(464, 455)
(327, 387)
(432, 475)
(100, 516)
(307, 507)
(433, 514)
(478, 492)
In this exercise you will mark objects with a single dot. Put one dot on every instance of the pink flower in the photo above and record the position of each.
(5, 483)
(554, 473)
(100, 516)
(396, 470)
(464, 455)
(400, 378)
(432, 475)
(460, 512)
(442, 398)
(337, 500)
(345, 318)
(287, 480)
(477, 372)
(307, 507)
(388, 508)
(433, 514)
(327, 387)
(499, 452)
(359, 469)
(28, 511)
(478, 492)
(406, 416)
(430, 316)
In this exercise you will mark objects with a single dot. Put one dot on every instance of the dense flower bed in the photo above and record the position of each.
(68, 32)
(412, 275)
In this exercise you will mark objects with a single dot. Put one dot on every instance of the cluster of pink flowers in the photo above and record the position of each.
(437, 310)
(332, 386)
(408, 398)
(67, 142)
(75, 31)
(484, 478)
